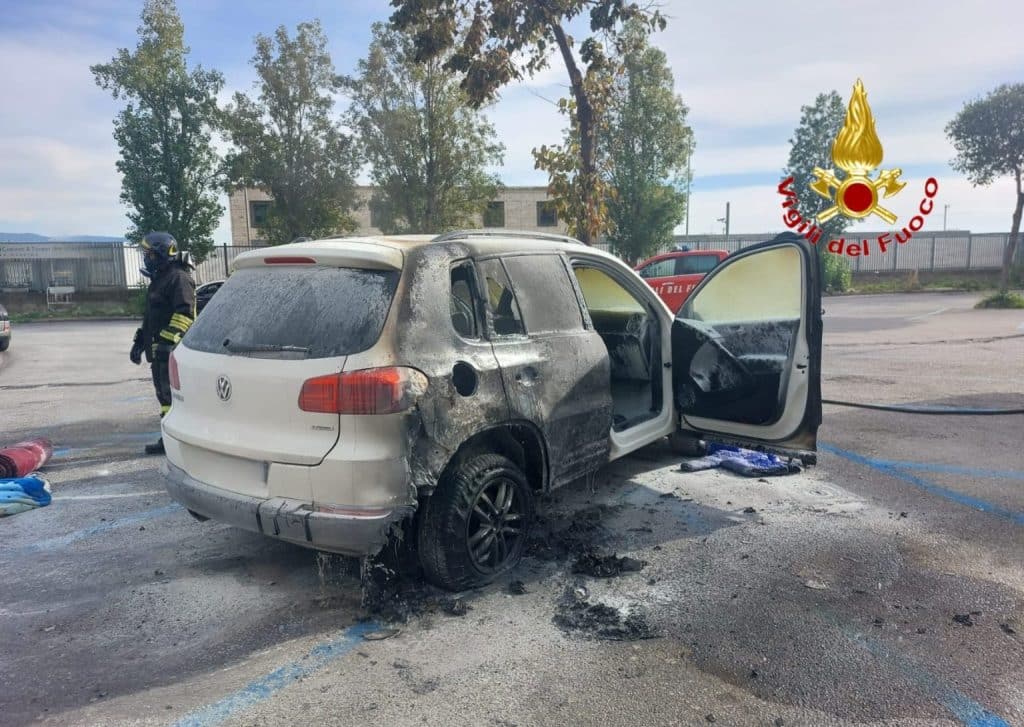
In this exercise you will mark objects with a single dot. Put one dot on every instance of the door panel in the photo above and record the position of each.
(634, 326)
(747, 349)
(556, 372)
(737, 371)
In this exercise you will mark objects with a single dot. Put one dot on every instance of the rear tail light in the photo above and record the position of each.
(172, 372)
(368, 391)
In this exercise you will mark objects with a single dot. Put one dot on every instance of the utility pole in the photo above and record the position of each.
(689, 155)
(945, 209)
(725, 219)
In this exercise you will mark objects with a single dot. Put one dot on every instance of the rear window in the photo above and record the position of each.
(690, 264)
(279, 312)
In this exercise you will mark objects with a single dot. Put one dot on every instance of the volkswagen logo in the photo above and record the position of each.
(224, 388)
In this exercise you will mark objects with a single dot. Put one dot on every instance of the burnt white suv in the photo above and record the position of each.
(335, 392)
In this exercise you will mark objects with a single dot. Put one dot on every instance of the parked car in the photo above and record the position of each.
(674, 275)
(335, 393)
(5, 329)
(205, 292)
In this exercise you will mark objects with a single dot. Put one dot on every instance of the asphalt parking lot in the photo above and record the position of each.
(884, 585)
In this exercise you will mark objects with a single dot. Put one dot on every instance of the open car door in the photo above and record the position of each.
(746, 350)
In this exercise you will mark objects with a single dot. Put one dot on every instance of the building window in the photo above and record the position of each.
(258, 213)
(546, 215)
(494, 215)
(374, 214)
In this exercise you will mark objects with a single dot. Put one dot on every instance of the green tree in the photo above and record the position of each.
(812, 147)
(287, 140)
(169, 169)
(428, 149)
(493, 42)
(648, 143)
(988, 135)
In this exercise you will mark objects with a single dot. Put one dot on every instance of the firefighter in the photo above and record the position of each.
(170, 310)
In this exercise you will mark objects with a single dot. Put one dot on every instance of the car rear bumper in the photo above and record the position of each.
(354, 533)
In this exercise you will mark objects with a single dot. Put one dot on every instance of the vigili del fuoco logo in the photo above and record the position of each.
(857, 195)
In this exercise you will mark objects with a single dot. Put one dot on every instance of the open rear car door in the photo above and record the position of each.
(746, 350)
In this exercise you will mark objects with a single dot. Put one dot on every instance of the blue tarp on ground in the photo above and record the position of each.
(745, 462)
(23, 493)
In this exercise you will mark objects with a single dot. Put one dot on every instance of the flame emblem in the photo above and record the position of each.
(857, 151)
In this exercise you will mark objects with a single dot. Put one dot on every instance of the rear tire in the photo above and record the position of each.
(4, 344)
(475, 525)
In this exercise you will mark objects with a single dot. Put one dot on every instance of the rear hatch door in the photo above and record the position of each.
(270, 328)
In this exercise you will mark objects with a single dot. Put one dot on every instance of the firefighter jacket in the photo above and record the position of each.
(170, 305)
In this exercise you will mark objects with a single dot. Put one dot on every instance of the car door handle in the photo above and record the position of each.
(526, 375)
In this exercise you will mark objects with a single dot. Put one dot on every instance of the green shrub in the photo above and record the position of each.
(1002, 300)
(970, 284)
(137, 304)
(836, 275)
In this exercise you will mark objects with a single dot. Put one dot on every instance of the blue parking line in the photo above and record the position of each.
(967, 711)
(893, 470)
(949, 469)
(266, 686)
(73, 537)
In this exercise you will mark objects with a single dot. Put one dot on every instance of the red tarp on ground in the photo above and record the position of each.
(24, 458)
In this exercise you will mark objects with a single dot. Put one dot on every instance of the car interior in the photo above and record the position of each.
(632, 336)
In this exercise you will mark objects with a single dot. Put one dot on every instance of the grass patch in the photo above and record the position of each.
(84, 311)
(912, 283)
(1002, 300)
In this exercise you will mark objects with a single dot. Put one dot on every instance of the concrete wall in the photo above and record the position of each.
(520, 206)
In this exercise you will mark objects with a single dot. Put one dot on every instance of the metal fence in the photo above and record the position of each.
(926, 251)
(94, 267)
(39, 267)
(216, 266)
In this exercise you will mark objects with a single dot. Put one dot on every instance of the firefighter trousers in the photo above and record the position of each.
(162, 384)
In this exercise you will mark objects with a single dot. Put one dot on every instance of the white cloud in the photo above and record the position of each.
(739, 159)
(57, 156)
(756, 65)
(524, 122)
(745, 70)
(758, 208)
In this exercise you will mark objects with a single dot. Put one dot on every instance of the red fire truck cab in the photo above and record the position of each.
(674, 275)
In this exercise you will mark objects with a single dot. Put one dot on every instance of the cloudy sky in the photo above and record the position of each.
(744, 67)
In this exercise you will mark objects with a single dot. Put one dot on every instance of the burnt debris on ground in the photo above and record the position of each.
(563, 535)
(605, 566)
(395, 596)
(577, 614)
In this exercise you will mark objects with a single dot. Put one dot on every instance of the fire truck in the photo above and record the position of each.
(674, 275)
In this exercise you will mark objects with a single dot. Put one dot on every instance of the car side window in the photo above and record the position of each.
(760, 287)
(462, 302)
(545, 293)
(660, 269)
(506, 318)
(693, 264)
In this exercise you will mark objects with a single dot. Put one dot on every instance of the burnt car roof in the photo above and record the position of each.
(475, 242)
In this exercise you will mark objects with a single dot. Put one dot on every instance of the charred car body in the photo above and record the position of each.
(447, 381)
